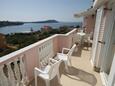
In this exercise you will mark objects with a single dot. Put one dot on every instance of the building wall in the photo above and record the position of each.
(111, 78)
(46, 29)
(89, 23)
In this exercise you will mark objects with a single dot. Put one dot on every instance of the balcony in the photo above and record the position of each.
(17, 68)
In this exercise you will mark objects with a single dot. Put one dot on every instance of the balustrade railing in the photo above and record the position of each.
(45, 51)
(17, 68)
(13, 73)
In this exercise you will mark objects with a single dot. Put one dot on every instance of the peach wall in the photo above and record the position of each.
(66, 40)
(55, 45)
(31, 61)
(61, 43)
(89, 23)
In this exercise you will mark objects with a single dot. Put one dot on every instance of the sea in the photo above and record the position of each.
(26, 27)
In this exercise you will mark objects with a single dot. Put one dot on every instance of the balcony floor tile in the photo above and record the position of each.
(80, 73)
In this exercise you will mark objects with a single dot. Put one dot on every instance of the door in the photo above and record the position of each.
(110, 53)
(96, 35)
(100, 42)
(107, 51)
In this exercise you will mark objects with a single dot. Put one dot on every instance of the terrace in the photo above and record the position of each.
(17, 68)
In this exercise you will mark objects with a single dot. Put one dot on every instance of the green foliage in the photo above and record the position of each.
(77, 26)
(64, 29)
(9, 23)
(6, 51)
(21, 40)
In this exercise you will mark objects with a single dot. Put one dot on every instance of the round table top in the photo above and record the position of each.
(81, 33)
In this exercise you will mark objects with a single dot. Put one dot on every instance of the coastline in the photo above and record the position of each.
(26, 27)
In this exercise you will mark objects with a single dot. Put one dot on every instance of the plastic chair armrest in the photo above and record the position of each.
(59, 54)
(65, 49)
(52, 60)
(37, 70)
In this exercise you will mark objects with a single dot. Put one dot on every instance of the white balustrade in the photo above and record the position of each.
(24, 78)
(11, 77)
(3, 78)
(45, 51)
(13, 73)
(74, 38)
(15, 66)
(17, 72)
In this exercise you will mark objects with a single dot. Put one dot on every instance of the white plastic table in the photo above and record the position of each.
(82, 35)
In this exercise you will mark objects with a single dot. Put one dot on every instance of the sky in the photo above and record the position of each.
(39, 10)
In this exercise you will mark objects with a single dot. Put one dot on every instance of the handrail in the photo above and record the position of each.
(67, 33)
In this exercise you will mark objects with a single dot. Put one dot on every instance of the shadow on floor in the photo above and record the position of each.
(53, 82)
(78, 52)
(86, 46)
(80, 75)
(41, 82)
(74, 73)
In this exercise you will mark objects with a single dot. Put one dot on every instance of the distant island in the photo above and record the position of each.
(9, 23)
(46, 21)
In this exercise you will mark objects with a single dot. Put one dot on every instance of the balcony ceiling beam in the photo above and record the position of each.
(97, 4)
(85, 13)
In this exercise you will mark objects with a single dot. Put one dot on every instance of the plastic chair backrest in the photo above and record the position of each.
(54, 69)
(86, 37)
(77, 38)
(71, 50)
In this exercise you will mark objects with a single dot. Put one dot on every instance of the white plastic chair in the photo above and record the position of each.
(66, 57)
(48, 73)
(86, 39)
(78, 38)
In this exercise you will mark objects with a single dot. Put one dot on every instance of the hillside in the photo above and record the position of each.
(9, 23)
(46, 21)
